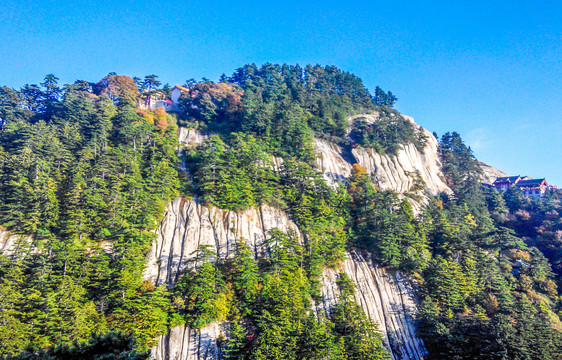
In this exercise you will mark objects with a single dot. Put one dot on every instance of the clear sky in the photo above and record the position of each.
(491, 70)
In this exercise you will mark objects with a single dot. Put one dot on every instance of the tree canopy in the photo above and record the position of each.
(85, 176)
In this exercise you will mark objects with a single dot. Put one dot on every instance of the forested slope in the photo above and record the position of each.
(86, 178)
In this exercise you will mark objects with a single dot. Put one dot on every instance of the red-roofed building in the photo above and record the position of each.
(155, 101)
(529, 187)
(503, 183)
(533, 187)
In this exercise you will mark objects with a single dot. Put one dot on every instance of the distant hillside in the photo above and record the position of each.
(490, 173)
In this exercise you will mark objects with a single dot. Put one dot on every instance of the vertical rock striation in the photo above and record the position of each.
(7, 242)
(409, 171)
(400, 172)
(387, 299)
(330, 161)
(183, 343)
(12, 244)
(191, 137)
(187, 225)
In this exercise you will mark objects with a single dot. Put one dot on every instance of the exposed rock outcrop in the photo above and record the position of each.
(7, 242)
(387, 299)
(183, 343)
(402, 171)
(191, 137)
(490, 173)
(187, 225)
(330, 161)
(10, 243)
(410, 171)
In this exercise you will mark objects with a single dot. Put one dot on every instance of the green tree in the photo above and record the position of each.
(151, 82)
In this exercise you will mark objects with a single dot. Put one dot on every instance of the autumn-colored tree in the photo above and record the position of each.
(210, 101)
(358, 176)
(117, 87)
(161, 119)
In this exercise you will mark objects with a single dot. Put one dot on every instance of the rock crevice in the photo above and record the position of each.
(387, 299)
(400, 172)
(188, 225)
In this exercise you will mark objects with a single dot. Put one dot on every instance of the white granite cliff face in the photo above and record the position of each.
(490, 173)
(410, 171)
(388, 300)
(191, 137)
(183, 343)
(330, 162)
(187, 225)
(399, 172)
(7, 242)
(13, 245)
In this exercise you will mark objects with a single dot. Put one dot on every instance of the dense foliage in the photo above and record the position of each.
(85, 175)
(242, 175)
(267, 304)
(384, 225)
(285, 106)
(461, 250)
(488, 294)
(108, 347)
(84, 180)
(539, 222)
(387, 134)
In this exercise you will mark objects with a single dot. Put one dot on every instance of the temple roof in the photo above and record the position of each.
(181, 88)
(532, 182)
(507, 179)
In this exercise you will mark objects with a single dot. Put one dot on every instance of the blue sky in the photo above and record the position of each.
(491, 70)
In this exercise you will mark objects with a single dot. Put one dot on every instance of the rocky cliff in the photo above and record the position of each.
(11, 244)
(411, 171)
(183, 343)
(330, 161)
(490, 173)
(191, 137)
(187, 225)
(387, 299)
(400, 173)
(408, 169)
(7, 242)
